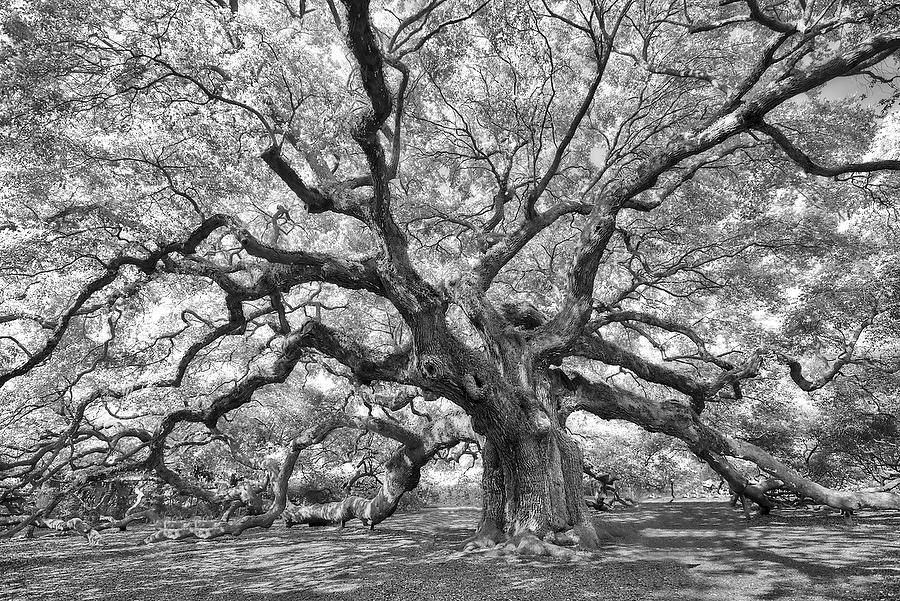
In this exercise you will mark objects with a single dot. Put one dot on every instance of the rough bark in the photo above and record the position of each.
(493, 503)
(533, 469)
(533, 499)
(532, 480)
(542, 484)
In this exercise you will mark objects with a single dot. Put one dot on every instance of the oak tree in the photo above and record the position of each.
(497, 213)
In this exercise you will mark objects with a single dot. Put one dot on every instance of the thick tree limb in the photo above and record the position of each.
(315, 266)
(810, 166)
(679, 420)
(315, 200)
(596, 348)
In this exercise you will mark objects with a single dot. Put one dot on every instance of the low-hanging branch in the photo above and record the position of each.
(678, 419)
(402, 472)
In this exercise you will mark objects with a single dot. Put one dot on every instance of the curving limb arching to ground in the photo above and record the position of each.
(402, 472)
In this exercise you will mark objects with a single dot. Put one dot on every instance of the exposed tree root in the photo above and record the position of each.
(486, 536)
(560, 546)
(567, 545)
(73, 525)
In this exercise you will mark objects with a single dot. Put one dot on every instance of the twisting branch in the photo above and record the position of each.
(409, 292)
(758, 15)
(366, 364)
(354, 275)
(402, 475)
(834, 369)
(402, 471)
(302, 266)
(147, 264)
(815, 168)
(664, 324)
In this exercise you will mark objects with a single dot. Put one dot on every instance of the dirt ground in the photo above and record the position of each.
(688, 550)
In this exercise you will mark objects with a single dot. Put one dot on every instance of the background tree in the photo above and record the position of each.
(639, 210)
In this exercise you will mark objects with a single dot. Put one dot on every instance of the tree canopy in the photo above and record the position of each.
(452, 225)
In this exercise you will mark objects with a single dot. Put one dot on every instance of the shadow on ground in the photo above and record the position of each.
(691, 550)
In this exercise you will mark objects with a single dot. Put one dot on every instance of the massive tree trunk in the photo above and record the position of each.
(532, 482)
(532, 493)
(533, 485)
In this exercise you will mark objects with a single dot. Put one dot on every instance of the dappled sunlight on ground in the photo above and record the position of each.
(793, 554)
(692, 550)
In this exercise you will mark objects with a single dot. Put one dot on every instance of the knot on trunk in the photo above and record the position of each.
(523, 315)
(539, 420)
(473, 386)
(243, 236)
(431, 367)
